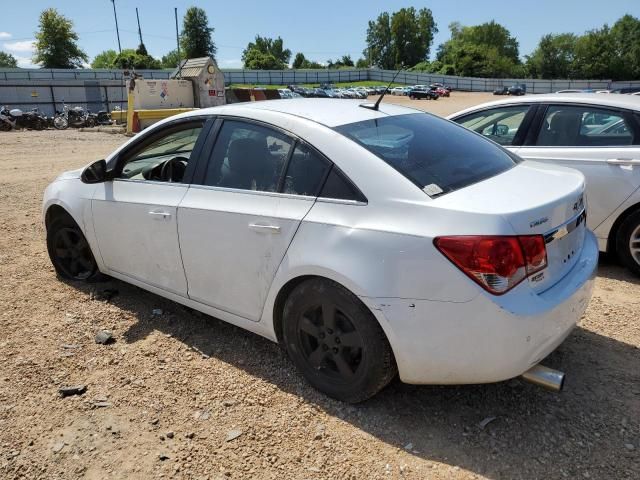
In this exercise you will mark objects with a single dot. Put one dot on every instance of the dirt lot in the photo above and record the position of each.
(181, 395)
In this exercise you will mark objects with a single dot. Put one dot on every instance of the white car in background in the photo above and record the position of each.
(366, 241)
(598, 135)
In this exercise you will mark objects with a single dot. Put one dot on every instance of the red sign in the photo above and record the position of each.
(212, 93)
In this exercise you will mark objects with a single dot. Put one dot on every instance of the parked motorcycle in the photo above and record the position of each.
(75, 117)
(17, 119)
(9, 118)
(101, 118)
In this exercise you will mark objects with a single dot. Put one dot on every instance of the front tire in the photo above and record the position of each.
(70, 252)
(628, 242)
(335, 341)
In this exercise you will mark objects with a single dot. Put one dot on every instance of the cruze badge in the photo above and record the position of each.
(540, 221)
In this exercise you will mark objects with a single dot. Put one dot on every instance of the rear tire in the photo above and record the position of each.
(70, 252)
(628, 242)
(335, 341)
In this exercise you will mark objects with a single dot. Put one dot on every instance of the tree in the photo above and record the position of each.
(625, 38)
(171, 59)
(55, 44)
(142, 50)
(104, 59)
(266, 54)
(486, 50)
(7, 60)
(362, 63)
(554, 56)
(130, 59)
(195, 39)
(403, 38)
(299, 60)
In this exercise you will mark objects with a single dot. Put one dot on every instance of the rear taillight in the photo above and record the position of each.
(496, 263)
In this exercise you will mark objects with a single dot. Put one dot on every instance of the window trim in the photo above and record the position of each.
(625, 114)
(214, 133)
(120, 160)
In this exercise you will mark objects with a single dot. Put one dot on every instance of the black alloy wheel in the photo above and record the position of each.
(336, 342)
(69, 251)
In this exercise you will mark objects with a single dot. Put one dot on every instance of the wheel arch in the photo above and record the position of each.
(291, 283)
(55, 211)
(613, 233)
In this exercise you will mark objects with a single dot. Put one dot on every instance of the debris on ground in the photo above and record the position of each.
(70, 391)
(104, 337)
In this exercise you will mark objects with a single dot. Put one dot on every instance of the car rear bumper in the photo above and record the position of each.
(487, 339)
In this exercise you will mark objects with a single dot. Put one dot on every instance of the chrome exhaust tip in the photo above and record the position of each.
(545, 377)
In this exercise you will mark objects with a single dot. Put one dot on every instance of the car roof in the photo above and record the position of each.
(326, 111)
(598, 99)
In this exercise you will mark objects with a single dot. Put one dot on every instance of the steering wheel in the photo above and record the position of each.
(173, 169)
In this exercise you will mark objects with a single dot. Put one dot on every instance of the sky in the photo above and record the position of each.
(320, 30)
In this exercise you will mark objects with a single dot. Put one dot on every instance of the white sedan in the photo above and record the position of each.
(596, 134)
(367, 242)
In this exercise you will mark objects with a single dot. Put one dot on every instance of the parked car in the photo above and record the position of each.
(441, 85)
(501, 91)
(626, 90)
(423, 93)
(397, 91)
(293, 226)
(285, 93)
(517, 90)
(441, 91)
(596, 134)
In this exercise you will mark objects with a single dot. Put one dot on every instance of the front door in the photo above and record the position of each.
(236, 227)
(135, 214)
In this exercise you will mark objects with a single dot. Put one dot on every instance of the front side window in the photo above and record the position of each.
(498, 124)
(166, 157)
(248, 156)
(584, 126)
(438, 156)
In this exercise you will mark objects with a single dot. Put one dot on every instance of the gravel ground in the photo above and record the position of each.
(182, 395)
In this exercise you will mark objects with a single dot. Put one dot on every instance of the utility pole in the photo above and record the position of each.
(175, 12)
(139, 29)
(117, 31)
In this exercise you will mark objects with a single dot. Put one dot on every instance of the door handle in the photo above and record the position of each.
(160, 215)
(623, 161)
(264, 228)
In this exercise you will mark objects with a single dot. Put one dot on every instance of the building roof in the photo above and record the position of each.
(191, 68)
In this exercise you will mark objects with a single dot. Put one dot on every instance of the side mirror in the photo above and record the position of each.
(95, 173)
(502, 130)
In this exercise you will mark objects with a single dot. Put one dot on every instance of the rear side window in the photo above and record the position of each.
(338, 187)
(438, 156)
(584, 126)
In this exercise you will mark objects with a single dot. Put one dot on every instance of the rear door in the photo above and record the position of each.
(603, 143)
(236, 225)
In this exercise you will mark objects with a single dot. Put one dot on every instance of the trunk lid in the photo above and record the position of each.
(533, 198)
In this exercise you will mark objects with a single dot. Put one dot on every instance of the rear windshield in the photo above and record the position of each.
(438, 156)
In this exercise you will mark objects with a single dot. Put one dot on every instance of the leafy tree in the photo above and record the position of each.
(299, 60)
(195, 39)
(362, 63)
(55, 44)
(7, 60)
(594, 54)
(171, 59)
(625, 37)
(130, 59)
(486, 50)
(104, 59)
(142, 50)
(402, 38)
(344, 62)
(554, 56)
(266, 54)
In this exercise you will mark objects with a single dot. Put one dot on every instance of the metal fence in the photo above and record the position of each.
(105, 89)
